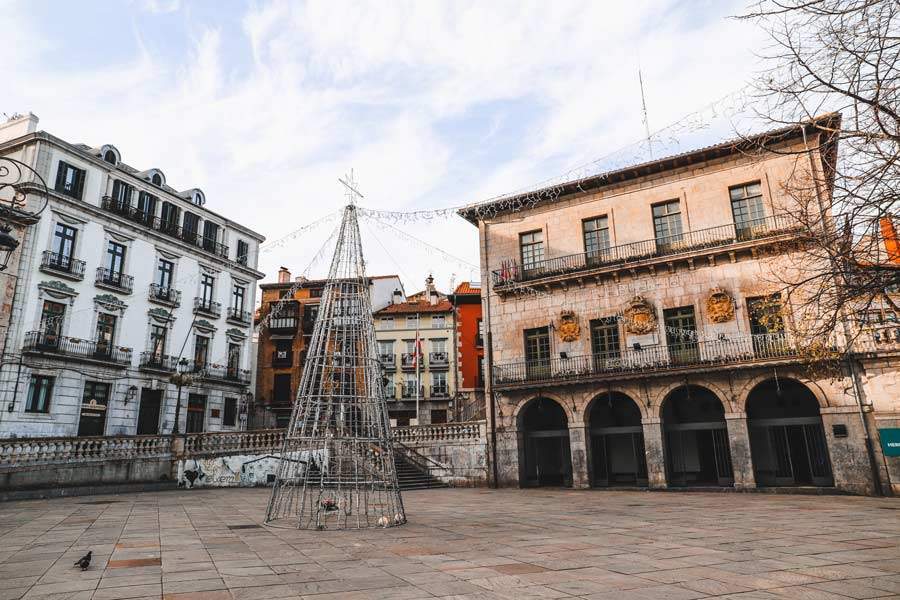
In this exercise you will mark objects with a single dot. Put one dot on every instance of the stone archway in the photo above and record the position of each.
(787, 439)
(545, 457)
(696, 437)
(616, 441)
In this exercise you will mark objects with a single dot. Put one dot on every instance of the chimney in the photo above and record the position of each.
(430, 292)
(17, 126)
(891, 243)
(397, 297)
(284, 276)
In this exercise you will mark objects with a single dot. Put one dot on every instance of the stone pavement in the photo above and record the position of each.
(459, 544)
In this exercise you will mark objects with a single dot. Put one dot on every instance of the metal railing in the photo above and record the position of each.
(438, 359)
(209, 307)
(218, 372)
(648, 359)
(408, 360)
(166, 295)
(114, 279)
(689, 241)
(51, 343)
(158, 362)
(61, 263)
(388, 361)
(169, 228)
(439, 391)
(239, 315)
(283, 323)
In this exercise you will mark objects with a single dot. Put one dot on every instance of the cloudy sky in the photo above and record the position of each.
(264, 105)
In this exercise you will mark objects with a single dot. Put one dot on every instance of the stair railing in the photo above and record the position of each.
(418, 459)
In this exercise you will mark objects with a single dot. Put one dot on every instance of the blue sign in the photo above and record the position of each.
(890, 441)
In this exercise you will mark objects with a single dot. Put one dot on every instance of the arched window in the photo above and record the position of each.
(110, 157)
(156, 179)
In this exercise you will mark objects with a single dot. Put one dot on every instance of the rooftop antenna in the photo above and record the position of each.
(353, 193)
(644, 118)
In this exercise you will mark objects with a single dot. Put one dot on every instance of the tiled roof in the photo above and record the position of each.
(468, 288)
(443, 305)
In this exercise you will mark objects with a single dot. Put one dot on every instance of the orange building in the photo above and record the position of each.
(466, 301)
(283, 339)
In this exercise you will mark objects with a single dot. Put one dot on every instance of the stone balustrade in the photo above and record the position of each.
(258, 441)
(35, 451)
(884, 338)
(443, 433)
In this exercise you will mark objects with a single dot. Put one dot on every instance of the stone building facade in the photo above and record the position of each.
(122, 281)
(633, 339)
(282, 339)
(416, 347)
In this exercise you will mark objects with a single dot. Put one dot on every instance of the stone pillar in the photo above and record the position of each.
(508, 453)
(654, 447)
(845, 436)
(741, 456)
(578, 448)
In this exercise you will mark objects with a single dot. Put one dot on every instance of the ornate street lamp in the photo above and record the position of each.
(181, 378)
(8, 245)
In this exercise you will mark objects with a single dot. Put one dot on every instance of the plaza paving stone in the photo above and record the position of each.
(459, 544)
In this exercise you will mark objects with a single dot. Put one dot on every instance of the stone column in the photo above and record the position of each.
(507, 457)
(578, 450)
(845, 436)
(654, 447)
(741, 457)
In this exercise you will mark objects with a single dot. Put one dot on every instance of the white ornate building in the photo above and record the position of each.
(123, 280)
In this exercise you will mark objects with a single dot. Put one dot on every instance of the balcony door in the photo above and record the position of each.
(115, 262)
(537, 352)
(747, 209)
(106, 333)
(606, 347)
(196, 413)
(767, 326)
(681, 335)
(191, 227)
(63, 248)
(667, 225)
(52, 317)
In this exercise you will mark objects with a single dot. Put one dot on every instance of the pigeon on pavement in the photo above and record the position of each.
(84, 562)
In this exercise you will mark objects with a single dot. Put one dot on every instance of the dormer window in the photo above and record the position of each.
(156, 179)
(110, 154)
(110, 157)
(198, 198)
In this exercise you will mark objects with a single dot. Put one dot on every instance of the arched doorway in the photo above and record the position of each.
(697, 450)
(787, 439)
(616, 441)
(545, 455)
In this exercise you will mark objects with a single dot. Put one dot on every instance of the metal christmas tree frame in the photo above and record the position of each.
(337, 466)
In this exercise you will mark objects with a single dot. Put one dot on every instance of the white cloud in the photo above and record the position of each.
(385, 88)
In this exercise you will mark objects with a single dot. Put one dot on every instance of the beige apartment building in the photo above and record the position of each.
(632, 326)
(423, 380)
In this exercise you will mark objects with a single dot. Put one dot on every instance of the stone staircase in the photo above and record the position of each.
(412, 477)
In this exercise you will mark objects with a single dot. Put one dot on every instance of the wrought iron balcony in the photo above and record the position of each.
(114, 280)
(439, 391)
(388, 361)
(438, 359)
(238, 316)
(651, 359)
(282, 358)
(390, 392)
(124, 209)
(408, 360)
(216, 372)
(50, 343)
(409, 391)
(61, 264)
(164, 295)
(207, 307)
(154, 361)
(647, 250)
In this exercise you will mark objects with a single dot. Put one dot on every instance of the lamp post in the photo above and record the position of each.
(180, 378)
(8, 245)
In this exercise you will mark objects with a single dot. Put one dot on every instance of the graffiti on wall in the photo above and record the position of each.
(245, 470)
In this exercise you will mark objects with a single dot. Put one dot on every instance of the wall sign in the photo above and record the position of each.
(890, 441)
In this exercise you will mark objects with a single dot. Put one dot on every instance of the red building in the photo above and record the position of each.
(466, 300)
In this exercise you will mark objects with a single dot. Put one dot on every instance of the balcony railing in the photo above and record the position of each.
(409, 391)
(705, 354)
(438, 359)
(116, 280)
(283, 323)
(218, 372)
(164, 295)
(439, 391)
(282, 358)
(388, 361)
(689, 241)
(63, 265)
(158, 362)
(408, 360)
(167, 227)
(51, 343)
(390, 392)
(238, 315)
(207, 307)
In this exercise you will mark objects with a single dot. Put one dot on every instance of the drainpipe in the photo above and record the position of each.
(845, 326)
(488, 338)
